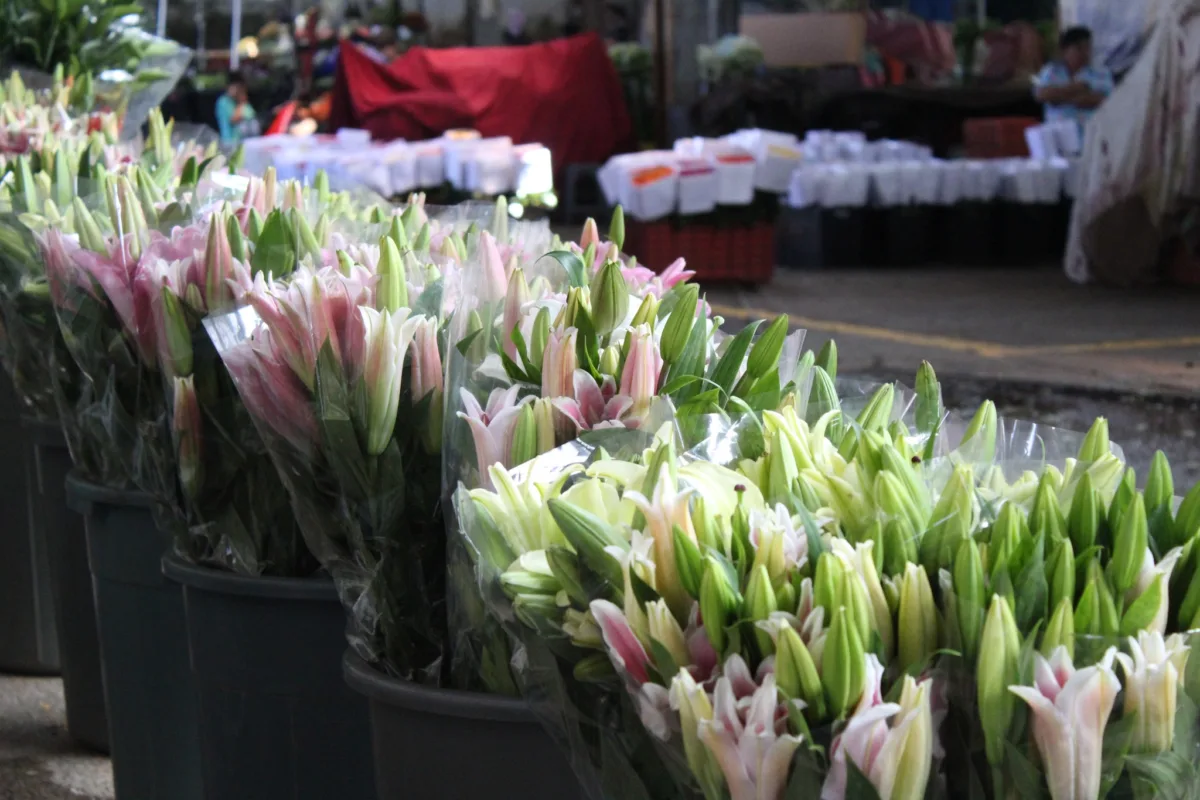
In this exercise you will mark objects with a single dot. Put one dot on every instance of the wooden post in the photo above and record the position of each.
(661, 54)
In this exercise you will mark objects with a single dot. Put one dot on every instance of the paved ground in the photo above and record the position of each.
(1011, 324)
(37, 760)
(1041, 347)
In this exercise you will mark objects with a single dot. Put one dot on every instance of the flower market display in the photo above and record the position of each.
(705, 562)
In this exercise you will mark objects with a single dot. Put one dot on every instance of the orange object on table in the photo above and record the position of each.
(645, 177)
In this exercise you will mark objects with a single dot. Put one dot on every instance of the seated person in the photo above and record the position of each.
(1071, 87)
(235, 116)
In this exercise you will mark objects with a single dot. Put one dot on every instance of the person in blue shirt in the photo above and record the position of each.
(235, 115)
(1071, 88)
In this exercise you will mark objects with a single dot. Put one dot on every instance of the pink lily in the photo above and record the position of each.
(273, 393)
(593, 406)
(590, 235)
(514, 301)
(746, 740)
(427, 361)
(495, 279)
(669, 507)
(639, 376)
(624, 648)
(187, 426)
(491, 428)
(1070, 711)
(559, 363)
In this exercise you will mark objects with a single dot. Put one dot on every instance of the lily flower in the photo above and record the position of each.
(1070, 712)
(491, 427)
(593, 406)
(746, 740)
(1152, 677)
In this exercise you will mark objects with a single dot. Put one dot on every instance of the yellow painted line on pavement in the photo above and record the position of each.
(1114, 345)
(952, 343)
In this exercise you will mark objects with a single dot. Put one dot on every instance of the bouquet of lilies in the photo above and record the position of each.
(130, 291)
(340, 367)
(851, 607)
(584, 348)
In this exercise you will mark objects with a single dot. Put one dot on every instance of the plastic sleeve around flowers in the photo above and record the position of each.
(343, 386)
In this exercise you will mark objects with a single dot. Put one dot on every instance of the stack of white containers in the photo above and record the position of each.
(462, 159)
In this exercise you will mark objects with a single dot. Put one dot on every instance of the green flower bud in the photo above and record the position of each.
(893, 499)
(999, 655)
(969, 587)
(391, 291)
(822, 399)
(900, 546)
(1045, 516)
(688, 562)
(421, 243)
(916, 621)
(1096, 443)
(616, 227)
(929, 399)
(797, 673)
(1160, 487)
(178, 335)
(589, 535)
(843, 665)
(647, 312)
(764, 354)
(1083, 523)
(1187, 518)
(827, 359)
(718, 599)
(1060, 573)
(952, 521)
(827, 583)
(679, 325)
(878, 411)
(760, 604)
(1142, 611)
(981, 434)
(1060, 631)
(1129, 547)
(524, 440)
(1122, 499)
(1189, 609)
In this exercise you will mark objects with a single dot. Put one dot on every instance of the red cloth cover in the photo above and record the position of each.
(564, 94)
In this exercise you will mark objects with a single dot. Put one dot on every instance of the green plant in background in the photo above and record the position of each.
(634, 66)
(730, 57)
(84, 35)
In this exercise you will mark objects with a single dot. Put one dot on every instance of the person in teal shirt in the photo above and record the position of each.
(1071, 88)
(235, 115)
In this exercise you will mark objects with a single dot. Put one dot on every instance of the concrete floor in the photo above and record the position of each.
(37, 760)
(1043, 348)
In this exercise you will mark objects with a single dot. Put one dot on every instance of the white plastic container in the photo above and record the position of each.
(430, 165)
(650, 200)
(697, 186)
(533, 170)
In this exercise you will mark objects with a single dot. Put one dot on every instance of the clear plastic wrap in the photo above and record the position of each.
(340, 368)
(595, 357)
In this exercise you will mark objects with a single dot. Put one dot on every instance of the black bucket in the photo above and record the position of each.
(909, 234)
(148, 686)
(1028, 233)
(28, 638)
(968, 234)
(74, 602)
(277, 721)
(434, 744)
(844, 235)
(799, 238)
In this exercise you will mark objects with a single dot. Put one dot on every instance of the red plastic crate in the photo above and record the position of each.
(741, 254)
(997, 137)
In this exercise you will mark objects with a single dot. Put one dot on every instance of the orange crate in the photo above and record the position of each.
(997, 137)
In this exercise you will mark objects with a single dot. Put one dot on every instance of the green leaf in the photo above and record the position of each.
(663, 661)
(808, 776)
(573, 264)
(726, 370)
(1026, 778)
(857, 784)
(1031, 600)
(1117, 737)
(464, 344)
